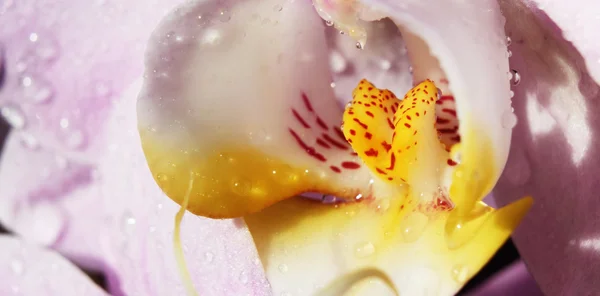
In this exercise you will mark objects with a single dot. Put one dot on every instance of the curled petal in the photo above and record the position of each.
(266, 131)
(28, 270)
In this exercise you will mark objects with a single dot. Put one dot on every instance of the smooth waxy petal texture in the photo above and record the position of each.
(555, 153)
(254, 136)
(305, 246)
(28, 270)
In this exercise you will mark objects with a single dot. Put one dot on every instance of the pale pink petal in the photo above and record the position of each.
(26, 269)
(554, 156)
(66, 62)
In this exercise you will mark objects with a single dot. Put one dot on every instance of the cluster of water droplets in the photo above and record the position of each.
(509, 119)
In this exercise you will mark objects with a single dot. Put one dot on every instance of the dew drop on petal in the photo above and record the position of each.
(509, 120)
(460, 273)
(337, 62)
(17, 267)
(13, 115)
(277, 8)
(511, 93)
(209, 257)
(283, 267)
(509, 75)
(413, 226)
(516, 77)
(244, 277)
(329, 23)
(363, 250)
(128, 222)
(359, 45)
(224, 16)
(28, 141)
(508, 41)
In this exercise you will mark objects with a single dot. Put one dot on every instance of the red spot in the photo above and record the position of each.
(425, 91)
(446, 98)
(407, 125)
(390, 123)
(335, 169)
(440, 120)
(449, 111)
(380, 171)
(417, 114)
(353, 153)
(307, 102)
(408, 117)
(455, 138)
(323, 144)
(373, 97)
(370, 89)
(351, 165)
(385, 109)
(368, 136)
(321, 123)
(367, 105)
(392, 162)
(370, 114)
(451, 162)
(360, 123)
(300, 119)
(334, 142)
(310, 150)
(386, 146)
(393, 108)
(372, 153)
(353, 132)
(339, 133)
(448, 130)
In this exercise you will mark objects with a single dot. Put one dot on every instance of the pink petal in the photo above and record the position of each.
(66, 61)
(28, 270)
(579, 23)
(554, 155)
(512, 280)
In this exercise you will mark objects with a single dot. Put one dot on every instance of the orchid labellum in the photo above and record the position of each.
(238, 118)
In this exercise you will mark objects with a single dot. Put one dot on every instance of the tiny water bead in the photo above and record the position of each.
(35, 89)
(516, 77)
(509, 119)
(14, 116)
(460, 273)
(413, 226)
(508, 41)
(364, 250)
(359, 45)
(329, 23)
(283, 268)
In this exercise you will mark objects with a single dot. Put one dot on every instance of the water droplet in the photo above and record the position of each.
(410, 69)
(337, 62)
(358, 197)
(511, 93)
(13, 115)
(283, 268)
(224, 16)
(509, 75)
(74, 139)
(332, 85)
(364, 250)
(460, 273)
(128, 221)
(517, 77)
(209, 257)
(29, 141)
(385, 64)
(17, 267)
(509, 120)
(359, 45)
(243, 277)
(285, 176)
(277, 8)
(413, 226)
(509, 53)
(508, 41)
(329, 23)
(439, 93)
(241, 186)
(102, 90)
(328, 199)
(64, 122)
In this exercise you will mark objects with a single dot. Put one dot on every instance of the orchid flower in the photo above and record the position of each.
(244, 143)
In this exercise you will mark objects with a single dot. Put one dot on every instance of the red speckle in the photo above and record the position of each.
(360, 123)
(448, 130)
(417, 114)
(425, 91)
(380, 171)
(392, 162)
(353, 153)
(408, 117)
(323, 144)
(390, 124)
(334, 142)
(307, 102)
(386, 146)
(451, 162)
(310, 150)
(368, 135)
(300, 119)
(351, 165)
(370, 114)
(339, 133)
(372, 153)
(353, 132)
(440, 120)
(407, 125)
(449, 111)
(390, 178)
(321, 123)
(335, 169)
